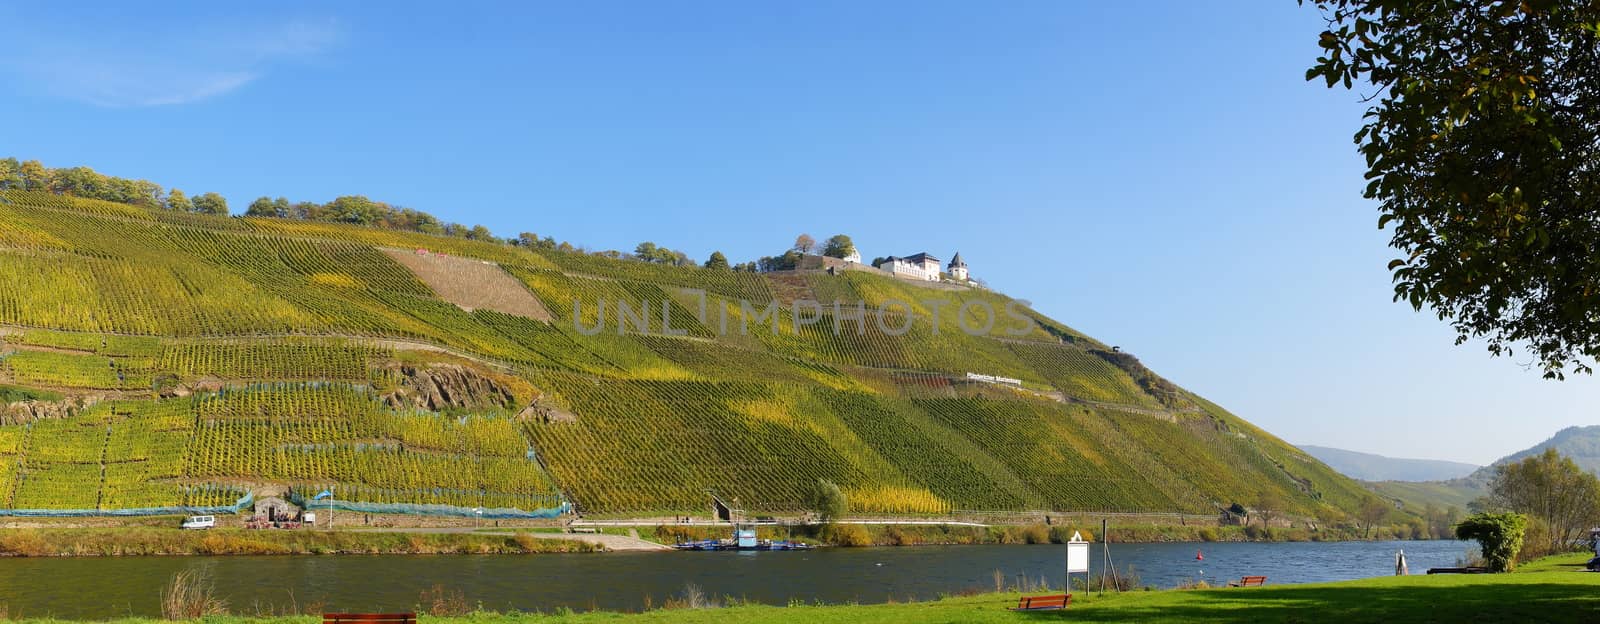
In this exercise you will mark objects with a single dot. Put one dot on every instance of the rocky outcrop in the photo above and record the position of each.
(443, 386)
(546, 413)
(173, 389)
(21, 412)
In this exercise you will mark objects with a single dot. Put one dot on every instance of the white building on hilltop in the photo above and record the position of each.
(919, 267)
(925, 267)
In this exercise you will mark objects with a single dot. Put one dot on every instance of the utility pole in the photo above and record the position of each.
(1106, 567)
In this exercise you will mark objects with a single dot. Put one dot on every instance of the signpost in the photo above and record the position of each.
(328, 494)
(1077, 560)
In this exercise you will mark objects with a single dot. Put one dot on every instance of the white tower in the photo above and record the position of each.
(958, 268)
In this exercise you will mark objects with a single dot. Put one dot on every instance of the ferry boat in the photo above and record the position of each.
(744, 538)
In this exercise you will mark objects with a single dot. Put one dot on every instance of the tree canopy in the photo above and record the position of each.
(1480, 145)
(838, 246)
(1371, 512)
(650, 252)
(177, 200)
(804, 243)
(31, 175)
(788, 261)
(828, 501)
(717, 261)
(1553, 489)
(210, 203)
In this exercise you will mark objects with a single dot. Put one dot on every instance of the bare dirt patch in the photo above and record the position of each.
(471, 284)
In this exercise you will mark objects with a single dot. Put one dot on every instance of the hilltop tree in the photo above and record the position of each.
(529, 240)
(786, 262)
(10, 173)
(1480, 151)
(838, 246)
(353, 209)
(1370, 512)
(35, 177)
(177, 200)
(210, 203)
(804, 243)
(717, 261)
(1552, 489)
(650, 252)
(263, 207)
(480, 233)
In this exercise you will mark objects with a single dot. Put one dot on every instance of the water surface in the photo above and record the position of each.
(97, 588)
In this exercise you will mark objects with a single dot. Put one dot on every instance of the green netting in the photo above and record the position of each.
(245, 502)
(493, 513)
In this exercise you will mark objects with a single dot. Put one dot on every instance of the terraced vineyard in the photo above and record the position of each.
(203, 358)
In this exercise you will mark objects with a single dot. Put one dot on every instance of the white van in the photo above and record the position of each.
(200, 522)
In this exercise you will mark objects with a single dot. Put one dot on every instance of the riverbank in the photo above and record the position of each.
(851, 534)
(112, 542)
(1548, 590)
(106, 541)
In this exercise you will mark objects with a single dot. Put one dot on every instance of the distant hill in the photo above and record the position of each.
(1582, 444)
(1370, 467)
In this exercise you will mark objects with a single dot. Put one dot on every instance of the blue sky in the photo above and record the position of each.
(1156, 174)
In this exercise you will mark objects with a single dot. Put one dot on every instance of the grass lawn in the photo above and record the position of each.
(1548, 590)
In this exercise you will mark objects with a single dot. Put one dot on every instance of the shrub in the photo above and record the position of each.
(1499, 535)
(1036, 534)
(191, 595)
(442, 601)
(846, 535)
(527, 542)
(24, 543)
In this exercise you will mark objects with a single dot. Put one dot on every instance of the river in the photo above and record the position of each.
(99, 588)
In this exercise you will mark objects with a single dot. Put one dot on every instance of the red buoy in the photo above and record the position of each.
(1199, 556)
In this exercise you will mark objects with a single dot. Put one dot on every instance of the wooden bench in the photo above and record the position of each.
(1043, 603)
(1466, 570)
(369, 618)
(1249, 581)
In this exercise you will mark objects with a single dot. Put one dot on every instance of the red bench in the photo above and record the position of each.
(1042, 603)
(369, 618)
(1249, 581)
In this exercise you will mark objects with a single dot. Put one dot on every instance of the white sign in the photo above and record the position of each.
(994, 379)
(1077, 554)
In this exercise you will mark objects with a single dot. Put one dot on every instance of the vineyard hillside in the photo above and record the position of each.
(151, 359)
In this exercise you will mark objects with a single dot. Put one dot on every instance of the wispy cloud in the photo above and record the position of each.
(119, 70)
